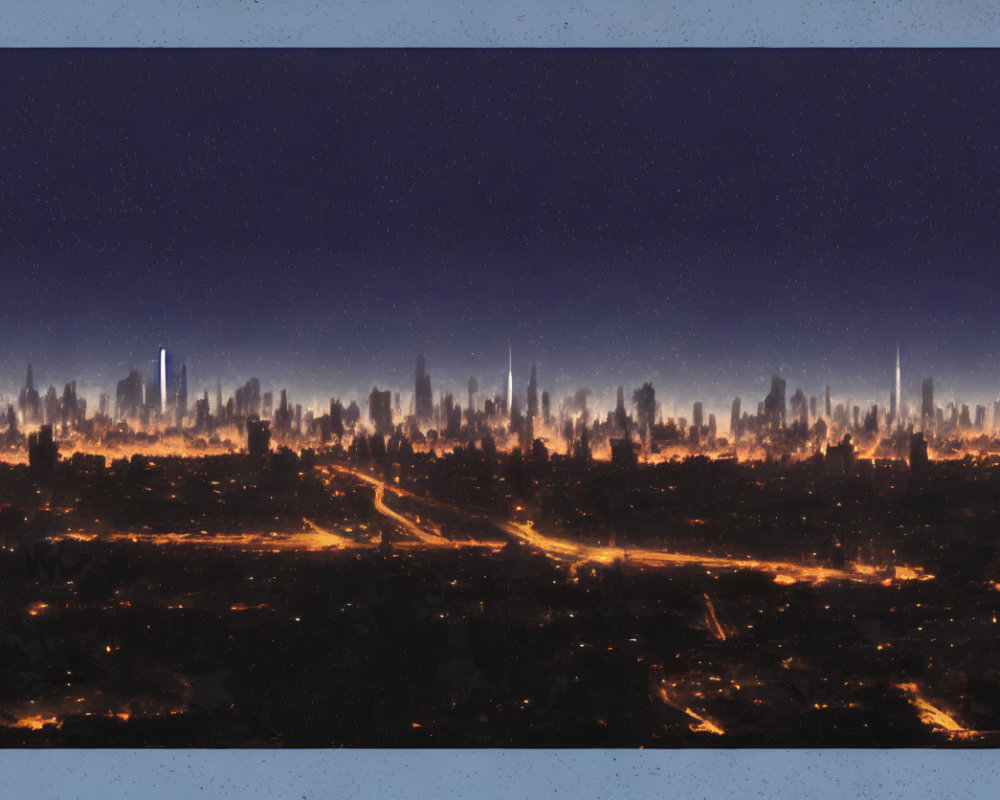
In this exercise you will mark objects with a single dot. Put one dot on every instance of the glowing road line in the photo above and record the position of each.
(575, 553)
(718, 632)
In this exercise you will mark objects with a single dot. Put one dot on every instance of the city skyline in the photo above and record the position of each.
(164, 390)
(503, 383)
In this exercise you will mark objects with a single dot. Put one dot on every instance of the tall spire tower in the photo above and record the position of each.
(163, 380)
(510, 381)
(899, 397)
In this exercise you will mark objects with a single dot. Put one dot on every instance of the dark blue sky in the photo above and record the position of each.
(315, 218)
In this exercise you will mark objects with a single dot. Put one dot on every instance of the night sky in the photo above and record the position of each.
(697, 218)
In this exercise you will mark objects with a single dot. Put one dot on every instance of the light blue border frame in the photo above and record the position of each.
(487, 23)
(174, 774)
(499, 774)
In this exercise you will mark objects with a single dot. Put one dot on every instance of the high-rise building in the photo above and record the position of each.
(380, 410)
(283, 415)
(423, 399)
(799, 408)
(473, 389)
(258, 438)
(927, 402)
(918, 452)
(774, 403)
(897, 411)
(510, 381)
(163, 380)
(29, 403)
(533, 392)
(698, 416)
(129, 396)
(182, 396)
(734, 418)
(43, 452)
(621, 416)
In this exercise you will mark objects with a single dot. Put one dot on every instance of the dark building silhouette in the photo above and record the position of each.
(698, 416)
(980, 417)
(813, 407)
(29, 403)
(258, 438)
(918, 452)
(581, 450)
(799, 408)
(819, 433)
(841, 456)
(516, 417)
(473, 390)
(621, 416)
(423, 399)
(380, 411)
(352, 414)
(182, 396)
(827, 408)
(623, 453)
(43, 453)
(128, 396)
(645, 403)
(546, 409)
(248, 399)
(964, 419)
(734, 418)
(871, 420)
(283, 416)
(69, 407)
(533, 393)
(201, 416)
(927, 402)
(774, 403)
(336, 419)
(51, 407)
(267, 405)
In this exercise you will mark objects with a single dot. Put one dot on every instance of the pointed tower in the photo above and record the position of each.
(899, 397)
(510, 381)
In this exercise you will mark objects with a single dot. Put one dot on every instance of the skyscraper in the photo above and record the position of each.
(29, 403)
(898, 411)
(423, 400)
(510, 381)
(927, 404)
(533, 392)
(734, 418)
(163, 380)
(182, 396)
